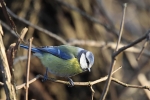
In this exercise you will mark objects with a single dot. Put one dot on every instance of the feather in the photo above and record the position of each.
(54, 50)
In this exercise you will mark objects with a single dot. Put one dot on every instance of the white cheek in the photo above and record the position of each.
(90, 57)
(83, 61)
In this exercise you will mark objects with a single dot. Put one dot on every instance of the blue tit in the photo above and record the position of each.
(64, 60)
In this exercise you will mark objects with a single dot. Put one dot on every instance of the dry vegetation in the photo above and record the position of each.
(92, 24)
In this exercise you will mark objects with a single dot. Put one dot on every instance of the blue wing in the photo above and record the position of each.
(54, 50)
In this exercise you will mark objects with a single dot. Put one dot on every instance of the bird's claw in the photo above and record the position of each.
(45, 78)
(71, 83)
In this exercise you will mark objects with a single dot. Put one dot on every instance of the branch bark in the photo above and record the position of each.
(7, 79)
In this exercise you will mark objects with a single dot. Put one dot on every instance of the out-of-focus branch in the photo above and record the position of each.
(141, 52)
(143, 81)
(101, 44)
(60, 39)
(91, 18)
(8, 85)
(1, 83)
(8, 28)
(7, 16)
(108, 27)
(89, 42)
(1, 30)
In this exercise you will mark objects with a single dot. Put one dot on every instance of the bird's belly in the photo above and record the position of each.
(60, 67)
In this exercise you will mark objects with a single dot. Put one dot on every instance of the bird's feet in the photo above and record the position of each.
(45, 78)
(71, 83)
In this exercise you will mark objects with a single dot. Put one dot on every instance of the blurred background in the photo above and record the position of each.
(90, 24)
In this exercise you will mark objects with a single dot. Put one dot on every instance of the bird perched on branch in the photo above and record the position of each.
(64, 60)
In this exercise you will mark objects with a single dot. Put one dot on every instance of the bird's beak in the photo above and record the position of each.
(89, 69)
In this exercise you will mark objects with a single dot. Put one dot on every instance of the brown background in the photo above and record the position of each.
(71, 25)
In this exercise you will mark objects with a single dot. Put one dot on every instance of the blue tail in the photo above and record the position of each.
(32, 49)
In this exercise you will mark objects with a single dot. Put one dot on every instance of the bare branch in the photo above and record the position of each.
(132, 44)
(85, 83)
(31, 81)
(141, 52)
(66, 82)
(93, 92)
(28, 67)
(105, 91)
(121, 28)
(8, 85)
(131, 86)
(12, 50)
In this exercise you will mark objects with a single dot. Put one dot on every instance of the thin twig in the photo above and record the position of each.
(122, 25)
(131, 86)
(93, 92)
(106, 88)
(23, 33)
(31, 81)
(28, 67)
(141, 52)
(132, 44)
(8, 28)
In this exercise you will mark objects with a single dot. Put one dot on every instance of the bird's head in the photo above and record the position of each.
(86, 59)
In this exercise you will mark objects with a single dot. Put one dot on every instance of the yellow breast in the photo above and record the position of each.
(60, 67)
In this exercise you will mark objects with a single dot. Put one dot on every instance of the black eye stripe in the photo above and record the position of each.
(87, 61)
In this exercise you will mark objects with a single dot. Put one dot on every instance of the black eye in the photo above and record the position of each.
(87, 61)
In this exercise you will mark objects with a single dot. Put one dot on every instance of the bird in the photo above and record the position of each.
(64, 60)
